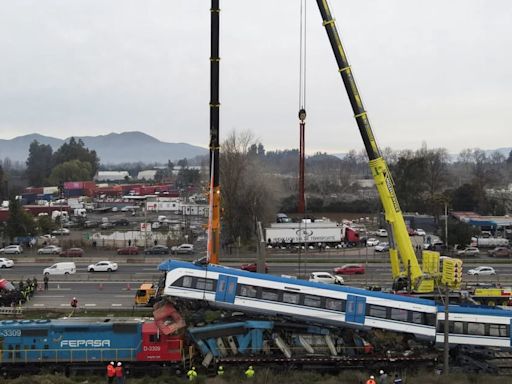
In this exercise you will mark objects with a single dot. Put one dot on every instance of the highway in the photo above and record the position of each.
(103, 290)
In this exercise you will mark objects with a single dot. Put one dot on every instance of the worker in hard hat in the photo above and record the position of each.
(249, 373)
(220, 370)
(192, 374)
(371, 380)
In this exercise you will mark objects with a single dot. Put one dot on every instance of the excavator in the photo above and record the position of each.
(407, 273)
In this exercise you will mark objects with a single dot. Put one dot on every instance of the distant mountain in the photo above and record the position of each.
(113, 148)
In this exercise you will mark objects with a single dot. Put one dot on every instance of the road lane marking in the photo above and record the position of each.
(123, 295)
(117, 305)
(89, 305)
(38, 305)
(64, 305)
(52, 296)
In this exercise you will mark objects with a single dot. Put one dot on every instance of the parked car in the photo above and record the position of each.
(72, 252)
(157, 250)
(372, 242)
(49, 250)
(90, 224)
(128, 251)
(350, 269)
(102, 266)
(106, 225)
(63, 268)
(12, 249)
(382, 232)
(61, 232)
(468, 251)
(121, 223)
(500, 252)
(420, 232)
(482, 270)
(382, 247)
(6, 263)
(183, 249)
(325, 277)
(253, 267)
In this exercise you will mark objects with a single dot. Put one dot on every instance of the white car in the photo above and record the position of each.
(102, 266)
(382, 232)
(325, 277)
(61, 231)
(484, 271)
(382, 247)
(6, 263)
(12, 249)
(183, 248)
(420, 232)
(49, 250)
(372, 242)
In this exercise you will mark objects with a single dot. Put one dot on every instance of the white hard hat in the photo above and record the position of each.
(371, 377)
(119, 364)
(111, 363)
(381, 372)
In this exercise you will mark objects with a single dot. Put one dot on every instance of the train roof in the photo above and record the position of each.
(169, 265)
(476, 310)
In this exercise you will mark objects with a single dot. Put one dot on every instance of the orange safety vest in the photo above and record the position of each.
(119, 371)
(111, 371)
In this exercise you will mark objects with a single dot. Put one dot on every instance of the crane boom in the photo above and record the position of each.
(400, 243)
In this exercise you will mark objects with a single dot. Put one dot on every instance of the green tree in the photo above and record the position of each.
(459, 233)
(73, 170)
(76, 150)
(45, 224)
(409, 175)
(20, 223)
(39, 163)
(188, 177)
(465, 198)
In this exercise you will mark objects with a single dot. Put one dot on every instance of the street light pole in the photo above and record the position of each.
(446, 351)
(446, 222)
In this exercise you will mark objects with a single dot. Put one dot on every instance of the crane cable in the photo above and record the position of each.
(302, 56)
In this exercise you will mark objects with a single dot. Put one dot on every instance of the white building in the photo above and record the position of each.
(111, 175)
(148, 174)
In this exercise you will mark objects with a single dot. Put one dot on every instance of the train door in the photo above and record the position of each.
(356, 309)
(226, 289)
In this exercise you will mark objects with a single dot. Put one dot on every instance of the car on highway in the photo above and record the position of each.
(183, 249)
(382, 232)
(325, 277)
(49, 250)
(420, 232)
(382, 247)
(102, 266)
(62, 268)
(468, 251)
(90, 224)
(482, 270)
(157, 250)
(350, 269)
(128, 251)
(121, 223)
(372, 242)
(61, 232)
(106, 225)
(72, 252)
(500, 252)
(12, 249)
(6, 263)
(253, 267)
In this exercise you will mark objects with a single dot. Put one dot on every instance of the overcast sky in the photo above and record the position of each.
(437, 72)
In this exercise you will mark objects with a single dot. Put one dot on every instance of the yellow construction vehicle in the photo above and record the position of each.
(146, 294)
(406, 270)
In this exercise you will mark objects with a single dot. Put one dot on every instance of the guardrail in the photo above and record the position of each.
(11, 311)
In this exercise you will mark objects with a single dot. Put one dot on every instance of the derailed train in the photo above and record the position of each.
(334, 305)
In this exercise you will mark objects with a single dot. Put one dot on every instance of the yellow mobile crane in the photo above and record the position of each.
(405, 268)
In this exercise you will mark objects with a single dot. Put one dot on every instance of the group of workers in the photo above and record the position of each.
(115, 371)
(384, 379)
(192, 373)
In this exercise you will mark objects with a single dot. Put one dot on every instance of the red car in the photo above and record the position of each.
(253, 267)
(128, 251)
(350, 269)
(72, 252)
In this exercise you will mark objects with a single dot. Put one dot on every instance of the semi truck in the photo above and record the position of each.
(489, 242)
(311, 232)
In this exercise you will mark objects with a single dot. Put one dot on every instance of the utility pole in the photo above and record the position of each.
(446, 222)
(446, 351)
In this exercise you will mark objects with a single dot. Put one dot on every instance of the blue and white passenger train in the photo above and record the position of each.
(334, 305)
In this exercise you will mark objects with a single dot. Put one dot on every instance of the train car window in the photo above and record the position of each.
(34, 332)
(292, 298)
(498, 330)
(269, 294)
(476, 329)
(204, 284)
(334, 304)
(154, 338)
(124, 328)
(456, 327)
(416, 317)
(312, 301)
(377, 311)
(430, 319)
(398, 314)
(248, 291)
(187, 281)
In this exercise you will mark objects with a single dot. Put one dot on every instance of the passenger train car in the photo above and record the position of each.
(334, 305)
